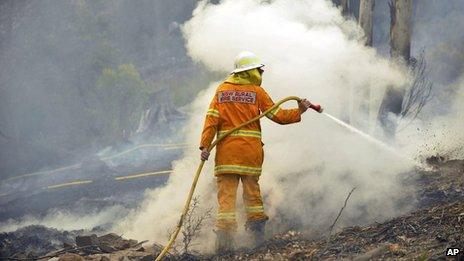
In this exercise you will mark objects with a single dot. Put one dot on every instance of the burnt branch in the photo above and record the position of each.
(340, 212)
(420, 92)
(193, 224)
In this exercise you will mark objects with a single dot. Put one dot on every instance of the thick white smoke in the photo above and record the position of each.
(441, 134)
(309, 51)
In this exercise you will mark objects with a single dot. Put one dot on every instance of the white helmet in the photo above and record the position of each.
(246, 61)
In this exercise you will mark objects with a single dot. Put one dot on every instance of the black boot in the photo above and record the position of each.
(256, 227)
(224, 242)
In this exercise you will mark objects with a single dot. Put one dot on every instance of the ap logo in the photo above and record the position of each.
(452, 251)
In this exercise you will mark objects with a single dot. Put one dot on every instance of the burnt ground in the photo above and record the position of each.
(422, 234)
(426, 233)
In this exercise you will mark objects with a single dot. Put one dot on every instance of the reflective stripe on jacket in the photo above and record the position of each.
(241, 152)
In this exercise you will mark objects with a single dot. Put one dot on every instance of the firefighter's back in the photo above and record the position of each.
(241, 152)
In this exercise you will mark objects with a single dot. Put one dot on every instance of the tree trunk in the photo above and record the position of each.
(400, 43)
(346, 114)
(400, 29)
(363, 117)
(345, 4)
(366, 10)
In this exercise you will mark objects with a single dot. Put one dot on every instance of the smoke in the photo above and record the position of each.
(440, 134)
(68, 220)
(309, 51)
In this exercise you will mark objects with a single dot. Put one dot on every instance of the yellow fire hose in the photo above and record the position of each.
(200, 167)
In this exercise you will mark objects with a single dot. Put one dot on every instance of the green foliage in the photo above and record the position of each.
(121, 96)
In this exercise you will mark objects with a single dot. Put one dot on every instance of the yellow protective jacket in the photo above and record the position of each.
(242, 151)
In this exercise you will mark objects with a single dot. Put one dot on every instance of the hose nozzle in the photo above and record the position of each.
(316, 107)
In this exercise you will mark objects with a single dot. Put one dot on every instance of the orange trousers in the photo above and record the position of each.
(227, 185)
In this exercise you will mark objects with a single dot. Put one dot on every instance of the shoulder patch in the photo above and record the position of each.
(237, 96)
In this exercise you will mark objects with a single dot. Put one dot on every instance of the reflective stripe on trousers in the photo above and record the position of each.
(226, 215)
(255, 209)
(243, 170)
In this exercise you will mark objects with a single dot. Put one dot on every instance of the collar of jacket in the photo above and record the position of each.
(249, 77)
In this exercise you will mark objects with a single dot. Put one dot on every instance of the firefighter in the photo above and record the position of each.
(239, 156)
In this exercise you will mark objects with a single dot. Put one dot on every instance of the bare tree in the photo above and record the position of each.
(400, 43)
(366, 10)
(348, 97)
(360, 100)
(400, 28)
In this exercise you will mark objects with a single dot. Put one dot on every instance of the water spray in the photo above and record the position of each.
(376, 142)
